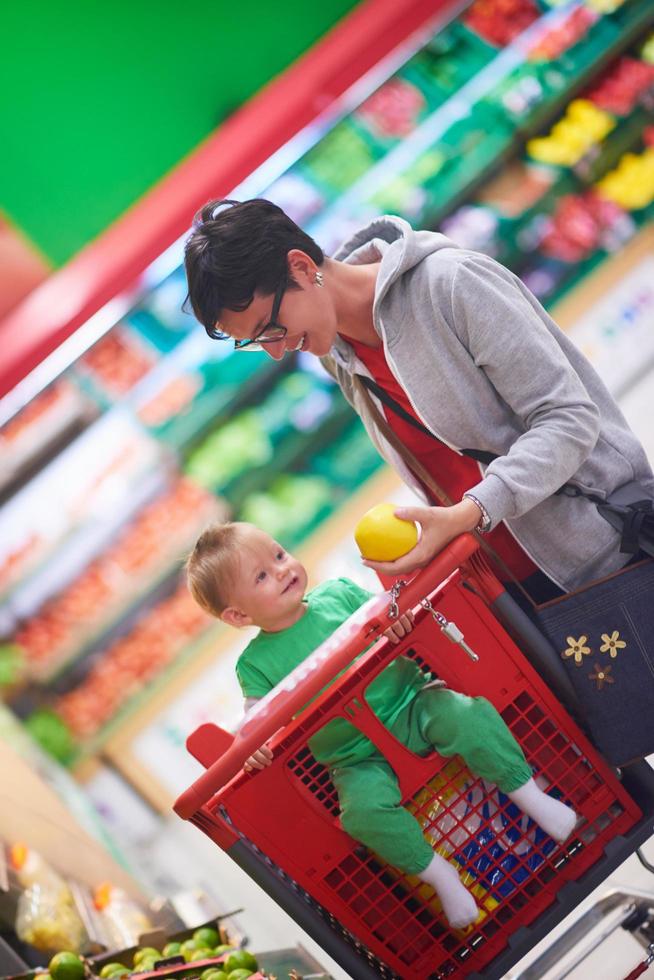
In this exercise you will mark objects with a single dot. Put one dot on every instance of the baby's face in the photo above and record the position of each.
(270, 584)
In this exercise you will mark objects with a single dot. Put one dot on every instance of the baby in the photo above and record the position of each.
(238, 573)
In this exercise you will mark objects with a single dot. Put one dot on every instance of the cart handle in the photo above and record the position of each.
(309, 678)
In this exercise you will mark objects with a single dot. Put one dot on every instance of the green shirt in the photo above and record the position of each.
(269, 657)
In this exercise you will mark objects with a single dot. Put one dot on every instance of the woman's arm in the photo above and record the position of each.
(509, 342)
(531, 373)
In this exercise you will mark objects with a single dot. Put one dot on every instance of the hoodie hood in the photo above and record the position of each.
(393, 241)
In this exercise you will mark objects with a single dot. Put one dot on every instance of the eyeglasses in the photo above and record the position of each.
(269, 333)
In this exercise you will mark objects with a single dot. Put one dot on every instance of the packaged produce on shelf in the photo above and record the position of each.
(556, 40)
(341, 157)
(46, 916)
(289, 507)
(577, 226)
(174, 397)
(425, 188)
(451, 58)
(122, 920)
(237, 446)
(559, 52)
(394, 110)
(631, 184)
(293, 505)
(622, 86)
(500, 22)
(61, 409)
(118, 361)
(418, 143)
(431, 76)
(207, 952)
(130, 663)
(583, 125)
(347, 462)
(208, 390)
(255, 438)
(579, 193)
(155, 539)
(75, 500)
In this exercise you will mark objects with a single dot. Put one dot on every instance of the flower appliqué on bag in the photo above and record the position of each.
(576, 649)
(601, 676)
(612, 644)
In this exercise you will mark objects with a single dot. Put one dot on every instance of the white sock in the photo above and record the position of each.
(458, 904)
(554, 817)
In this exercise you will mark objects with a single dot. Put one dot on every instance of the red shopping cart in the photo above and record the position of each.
(281, 824)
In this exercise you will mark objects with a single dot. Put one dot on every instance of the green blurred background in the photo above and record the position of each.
(100, 100)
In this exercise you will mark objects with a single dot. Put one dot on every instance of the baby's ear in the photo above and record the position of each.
(234, 617)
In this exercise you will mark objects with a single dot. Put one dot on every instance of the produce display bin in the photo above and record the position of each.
(282, 826)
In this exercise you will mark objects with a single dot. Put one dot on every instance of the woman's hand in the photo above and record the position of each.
(400, 628)
(261, 758)
(438, 526)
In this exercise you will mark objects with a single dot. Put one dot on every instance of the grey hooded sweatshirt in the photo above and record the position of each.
(485, 367)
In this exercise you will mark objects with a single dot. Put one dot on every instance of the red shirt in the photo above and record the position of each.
(454, 473)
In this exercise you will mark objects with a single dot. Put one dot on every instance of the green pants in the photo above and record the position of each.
(440, 719)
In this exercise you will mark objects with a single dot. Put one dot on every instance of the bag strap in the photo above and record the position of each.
(479, 455)
(425, 477)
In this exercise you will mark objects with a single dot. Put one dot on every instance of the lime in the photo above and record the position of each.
(206, 936)
(146, 951)
(110, 968)
(381, 536)
(66, 966)
(146, 963)
(239, 974)
(241, 959)
(213, 974)
(171, 949)
(202, 953)
(187, 949)
(225, 948)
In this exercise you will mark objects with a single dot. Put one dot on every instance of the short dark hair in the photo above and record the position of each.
(237, 249)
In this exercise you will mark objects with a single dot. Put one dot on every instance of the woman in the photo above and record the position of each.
(465, 349)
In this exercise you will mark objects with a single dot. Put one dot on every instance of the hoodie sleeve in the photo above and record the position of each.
(512, 345)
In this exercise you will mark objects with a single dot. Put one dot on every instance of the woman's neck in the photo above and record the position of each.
(354, 295)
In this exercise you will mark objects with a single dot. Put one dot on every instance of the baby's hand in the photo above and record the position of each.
(261, 758)
(401, 627)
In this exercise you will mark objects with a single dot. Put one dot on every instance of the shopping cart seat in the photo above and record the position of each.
(208, 742)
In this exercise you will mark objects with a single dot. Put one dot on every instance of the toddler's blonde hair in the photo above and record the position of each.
(212, 566)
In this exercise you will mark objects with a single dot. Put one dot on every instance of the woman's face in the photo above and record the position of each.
(307, 313)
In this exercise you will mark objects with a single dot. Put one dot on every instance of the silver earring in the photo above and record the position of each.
(319, 279)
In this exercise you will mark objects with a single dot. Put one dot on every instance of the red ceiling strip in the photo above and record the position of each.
(113, 262)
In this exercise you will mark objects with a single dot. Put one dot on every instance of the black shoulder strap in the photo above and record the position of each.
(479, 455)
